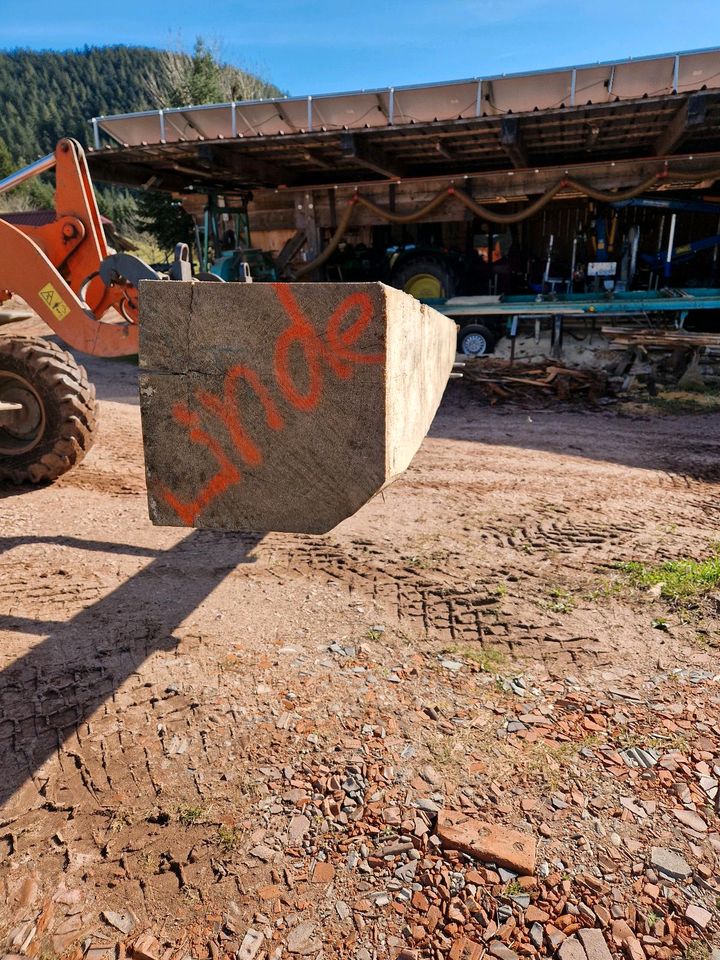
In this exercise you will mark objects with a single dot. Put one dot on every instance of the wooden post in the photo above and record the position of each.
(283, 406)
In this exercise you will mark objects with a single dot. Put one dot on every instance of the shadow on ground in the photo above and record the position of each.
(47, 693)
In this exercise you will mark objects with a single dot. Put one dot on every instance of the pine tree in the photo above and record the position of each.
(6, 163)
(165, 219)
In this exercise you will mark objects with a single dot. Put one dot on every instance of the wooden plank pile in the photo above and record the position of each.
(502, 380)
(667, 339)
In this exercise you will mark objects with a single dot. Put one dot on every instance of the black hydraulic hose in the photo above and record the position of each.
(600, 196)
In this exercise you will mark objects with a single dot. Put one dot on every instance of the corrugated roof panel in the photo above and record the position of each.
(515, 93)
(355, 111)
(446, 102)
(696, 70)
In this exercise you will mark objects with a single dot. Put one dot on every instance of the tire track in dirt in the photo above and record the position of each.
(456, 606)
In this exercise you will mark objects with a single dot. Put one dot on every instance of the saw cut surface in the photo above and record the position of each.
(283, 406)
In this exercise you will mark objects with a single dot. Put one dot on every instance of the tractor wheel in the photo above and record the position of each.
(54, 426)
(425, 279)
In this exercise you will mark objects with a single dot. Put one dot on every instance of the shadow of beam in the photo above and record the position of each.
(53, 688)
(101, 546)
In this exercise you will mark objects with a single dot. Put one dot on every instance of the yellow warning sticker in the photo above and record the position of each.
(53, 299)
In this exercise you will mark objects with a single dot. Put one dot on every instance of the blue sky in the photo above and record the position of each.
(333, 45)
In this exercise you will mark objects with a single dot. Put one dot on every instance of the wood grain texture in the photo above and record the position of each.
(283, 406)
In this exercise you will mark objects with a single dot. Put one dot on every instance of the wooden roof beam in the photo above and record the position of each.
(692, 114)
(512, 143)
(367, 155)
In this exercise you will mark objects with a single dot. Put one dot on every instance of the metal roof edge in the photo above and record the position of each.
(413, 86)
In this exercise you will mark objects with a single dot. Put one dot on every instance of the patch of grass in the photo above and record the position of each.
(428, 561)
(603, 591)
(559, 601)
(678, 402)
(551, 763)
(119, 819)
(697, 950)
(488, 659)
(513, 889)
(229, 838)
(189, 816)
(626, 737)
(149, 863)
(680, 581)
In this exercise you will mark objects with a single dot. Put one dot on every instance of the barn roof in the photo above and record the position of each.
(653, 110)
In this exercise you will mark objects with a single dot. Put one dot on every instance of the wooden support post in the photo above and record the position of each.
(283, 406)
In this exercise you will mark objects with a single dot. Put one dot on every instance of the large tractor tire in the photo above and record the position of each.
(55, 426)
(425, 279)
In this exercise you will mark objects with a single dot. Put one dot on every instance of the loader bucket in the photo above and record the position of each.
(283, 406)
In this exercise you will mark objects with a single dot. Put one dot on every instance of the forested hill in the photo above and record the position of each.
(47, 95)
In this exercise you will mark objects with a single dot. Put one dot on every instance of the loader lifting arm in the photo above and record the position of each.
(87, 296)
(64, 270)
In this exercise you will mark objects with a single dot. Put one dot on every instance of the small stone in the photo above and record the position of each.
(95, 952)
(270, 892)
(263, 853)
(603, 914)
(555, 936)
(252, 941)
(692, 820)
(633, 949)
(342, 909)
(536, 935)
(571, 949)
(594, 943)
(498, 949)
(669, 863)
(28, 892)
(299, 826)
(124, 922)
(535, 915)
(303, 940)
(146, 947)
(491, 843)
(698, 916)
(233, 919)
(323, 872)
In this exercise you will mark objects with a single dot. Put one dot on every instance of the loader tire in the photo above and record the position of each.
(56, 426)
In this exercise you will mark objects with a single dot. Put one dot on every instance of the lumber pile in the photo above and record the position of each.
(667, 339)
(503, 380)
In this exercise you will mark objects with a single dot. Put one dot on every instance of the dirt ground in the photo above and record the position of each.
(219, 745)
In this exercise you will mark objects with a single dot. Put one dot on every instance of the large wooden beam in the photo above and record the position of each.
(373, 158)
(512, 143)
(283, 406)
(691, 114)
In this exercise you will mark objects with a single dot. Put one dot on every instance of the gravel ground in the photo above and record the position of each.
(450, 728)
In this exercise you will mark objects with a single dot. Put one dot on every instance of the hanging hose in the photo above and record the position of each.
(333, 243)
(484, 213)
(420, 214)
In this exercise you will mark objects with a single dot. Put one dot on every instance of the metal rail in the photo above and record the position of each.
(630, 303)
(27, 173)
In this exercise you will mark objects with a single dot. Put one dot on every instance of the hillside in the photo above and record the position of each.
(49, 94)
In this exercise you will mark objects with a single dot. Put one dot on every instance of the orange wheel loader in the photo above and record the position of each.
(88, 296)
